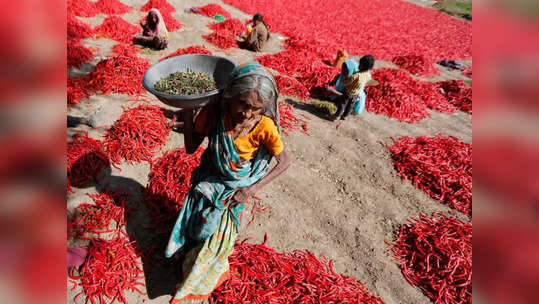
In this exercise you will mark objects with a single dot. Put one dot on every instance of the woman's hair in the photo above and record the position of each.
(258, 17)
(263, 85)
(366, 63)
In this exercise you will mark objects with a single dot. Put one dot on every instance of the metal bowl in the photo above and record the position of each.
(217, 67)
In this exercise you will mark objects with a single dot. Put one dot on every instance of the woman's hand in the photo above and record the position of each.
(242, 195)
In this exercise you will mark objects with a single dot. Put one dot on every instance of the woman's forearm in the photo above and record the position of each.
(283, 162)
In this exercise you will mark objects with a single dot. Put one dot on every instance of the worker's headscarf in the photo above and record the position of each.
(352, 67)
(161, 26)
(253, 76)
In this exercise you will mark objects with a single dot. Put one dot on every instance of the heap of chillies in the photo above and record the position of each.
(429, 33)
(232, 25)
(432, 96)
(82, 8)
(112, 7)
(137, 135)
(195, 49)
(117, 74)
(290, 122)
(416, 64)
(116, 28)
(168, 183)
(111, 268)
(93, 220)
(291, 86)
(162, 5)
(458, 93)
(262, 275)
(85, 160)
(122, 49)
(467, 71)
(223, 39)
(212, 9)
(435, 254)
(395, 96)
(76, 52)
(440, 165)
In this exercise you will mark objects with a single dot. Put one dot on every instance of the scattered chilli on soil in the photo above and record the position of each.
(186, 83)
(137, 135)
(196, 49)
(111, 268)
(93, 220)
(259, 274)
(435, 255)
(441, 166)
(85, 160)
(290, 122)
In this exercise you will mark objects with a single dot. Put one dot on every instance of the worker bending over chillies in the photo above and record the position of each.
(350, 86)
(244, 136)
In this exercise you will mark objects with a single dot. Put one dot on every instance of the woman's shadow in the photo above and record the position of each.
(150, 237)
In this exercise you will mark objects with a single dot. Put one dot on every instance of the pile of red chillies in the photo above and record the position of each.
(162, 5)
(116, 28)
(291, 86)
(85, 160)
(93, 220)
(232, 25)
(137, 135)
(416, 64)
(458, 93)
(196, 49)
(122, 49)
(168, 183)
(435, 254)
(213, 9)
(77, 30)
(290, 122)
(223, 39)
(259, 274)
(440, 165)
(111, 268)
(112, 7)
(82, 8)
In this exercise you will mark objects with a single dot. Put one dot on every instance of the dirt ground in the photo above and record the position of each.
(340, 198)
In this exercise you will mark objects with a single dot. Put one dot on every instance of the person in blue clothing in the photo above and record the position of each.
(350, 85)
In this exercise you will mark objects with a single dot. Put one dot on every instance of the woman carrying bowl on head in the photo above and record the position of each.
(244, 136)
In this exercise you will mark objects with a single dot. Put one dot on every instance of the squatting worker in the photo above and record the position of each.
(154, 31)
(244, 136)
(258, 37)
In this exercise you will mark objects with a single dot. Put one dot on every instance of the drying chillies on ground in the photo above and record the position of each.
(77, 54)
(76, 29)
(211, 10)
(457, 93)
(196, 49)
(82, 8)
(222, 39)
(259, 274)
(119, 74)
(162, 5)
(168, 183)
(85, 160)
(416, 64)
(116, 28)
(232, 25)
(111, 268)
(93, 220)
(291, 86)
(440, 165)
(394, 96)
(290, 122)
(467, 71)
(125, 50)
(137, 135)
(435, 254)
(383, 33)
(112, 7)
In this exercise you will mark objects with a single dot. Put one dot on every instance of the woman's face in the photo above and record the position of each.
(246, 106)
(153, 18)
